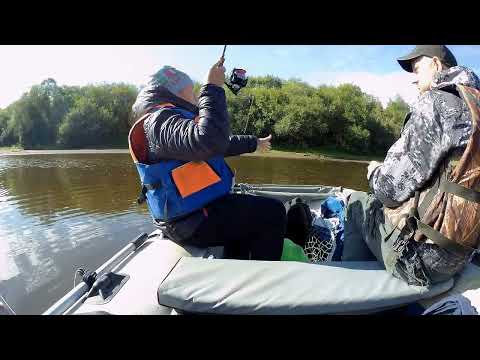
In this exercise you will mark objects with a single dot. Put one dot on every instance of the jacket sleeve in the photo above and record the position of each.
(436, 126)
(241, 144)
(173, 137)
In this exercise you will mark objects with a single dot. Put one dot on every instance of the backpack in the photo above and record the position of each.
(448, 210)
(299, 221)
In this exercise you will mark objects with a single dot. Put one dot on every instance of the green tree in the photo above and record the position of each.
(86, 124)
(293, 111)
(106, 107)
(395, 114)
(7, 135)
(38, 113)
(269, 81)
(303, 122)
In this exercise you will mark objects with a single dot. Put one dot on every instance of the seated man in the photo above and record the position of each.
(421, 219)
(179, 143)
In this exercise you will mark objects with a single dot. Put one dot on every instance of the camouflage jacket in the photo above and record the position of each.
(438, 123)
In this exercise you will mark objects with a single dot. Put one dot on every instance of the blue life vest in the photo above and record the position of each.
(176, 188)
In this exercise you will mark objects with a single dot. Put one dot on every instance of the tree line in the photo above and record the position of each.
(295, 113)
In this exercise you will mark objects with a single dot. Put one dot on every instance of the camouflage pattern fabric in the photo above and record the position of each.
(456, 217)
(439, 122)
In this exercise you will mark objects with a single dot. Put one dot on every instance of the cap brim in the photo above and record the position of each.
(406, 64)
(406, 61)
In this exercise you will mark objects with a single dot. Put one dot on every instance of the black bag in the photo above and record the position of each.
(299, 221)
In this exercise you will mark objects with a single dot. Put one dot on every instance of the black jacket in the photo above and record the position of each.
(170, 136)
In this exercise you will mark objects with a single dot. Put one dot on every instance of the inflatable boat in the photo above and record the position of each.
(153, 275)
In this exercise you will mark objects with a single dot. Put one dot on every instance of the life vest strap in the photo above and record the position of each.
(143, 194)
(461, 191)
(137, 140)
(438, 238)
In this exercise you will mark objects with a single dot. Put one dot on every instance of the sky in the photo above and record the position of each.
(373, 68)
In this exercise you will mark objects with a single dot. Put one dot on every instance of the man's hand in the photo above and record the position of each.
(263, 144)
(216, 75)
(371, 167)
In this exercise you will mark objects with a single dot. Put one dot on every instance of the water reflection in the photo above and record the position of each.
(59, 212)
(300, 171)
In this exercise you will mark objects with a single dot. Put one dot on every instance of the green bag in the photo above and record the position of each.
(293, 252)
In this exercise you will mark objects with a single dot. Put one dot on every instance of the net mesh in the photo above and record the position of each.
(320, 245)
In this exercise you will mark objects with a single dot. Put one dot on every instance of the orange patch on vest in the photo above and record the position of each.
(193, 177)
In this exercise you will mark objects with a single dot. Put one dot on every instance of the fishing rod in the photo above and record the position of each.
(235, 82)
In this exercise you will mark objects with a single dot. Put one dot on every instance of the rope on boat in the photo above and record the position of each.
(244, 188)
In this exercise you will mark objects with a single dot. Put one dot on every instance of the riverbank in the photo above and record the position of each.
(317, 154)
(10, 149)
(314, 154)
(7, 152)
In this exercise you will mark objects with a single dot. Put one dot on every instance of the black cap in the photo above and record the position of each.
(440, 51)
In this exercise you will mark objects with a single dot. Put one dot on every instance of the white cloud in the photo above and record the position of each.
(382, 86)
(24, 66)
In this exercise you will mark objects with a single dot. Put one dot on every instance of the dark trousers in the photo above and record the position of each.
(368, 232)
(249, 227)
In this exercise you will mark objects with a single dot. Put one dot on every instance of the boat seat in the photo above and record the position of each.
(467, 283)
(220, 286)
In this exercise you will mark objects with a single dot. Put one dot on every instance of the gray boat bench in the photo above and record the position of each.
(220, 286)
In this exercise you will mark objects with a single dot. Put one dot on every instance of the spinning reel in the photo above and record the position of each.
(237, 79)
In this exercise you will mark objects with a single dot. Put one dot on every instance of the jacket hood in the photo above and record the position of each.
(456, 75)
(152, 95)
